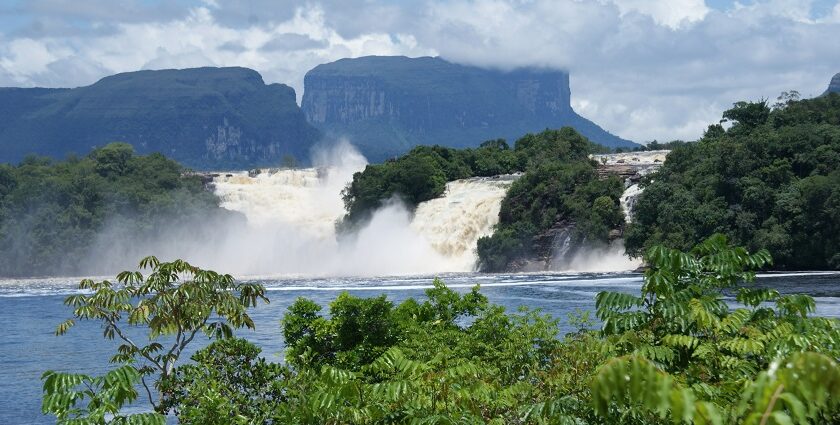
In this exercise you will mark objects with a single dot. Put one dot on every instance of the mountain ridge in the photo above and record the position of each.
(203, 117)
(833, 85)
(388, 104)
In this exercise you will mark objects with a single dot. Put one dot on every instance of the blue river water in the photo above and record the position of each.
(31, 309)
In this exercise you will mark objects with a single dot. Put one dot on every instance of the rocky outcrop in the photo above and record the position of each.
(386, 105)
(629, 166)
(201, 117)
(834, 85)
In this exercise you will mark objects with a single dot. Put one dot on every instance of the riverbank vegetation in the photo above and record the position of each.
(675, 353)
(51, 212)
(558, 185)
(771, 180)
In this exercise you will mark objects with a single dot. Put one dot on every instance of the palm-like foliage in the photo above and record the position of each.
(700, 344)
(176, 300)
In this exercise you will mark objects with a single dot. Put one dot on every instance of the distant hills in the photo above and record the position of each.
(228, 118)
(201, 117)
(387, 104)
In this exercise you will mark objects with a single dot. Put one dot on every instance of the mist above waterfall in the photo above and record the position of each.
(282, 222)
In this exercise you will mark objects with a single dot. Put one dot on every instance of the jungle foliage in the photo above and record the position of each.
(771, 180)
(559, 187)
(51, 212)
(675, 353)
(558, 184)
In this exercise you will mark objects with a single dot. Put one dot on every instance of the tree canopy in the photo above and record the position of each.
(771, 180)
(52, 211)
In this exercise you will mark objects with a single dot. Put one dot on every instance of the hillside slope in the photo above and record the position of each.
(201, 117)
(386, 104)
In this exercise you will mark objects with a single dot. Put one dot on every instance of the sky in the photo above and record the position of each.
(644, 70)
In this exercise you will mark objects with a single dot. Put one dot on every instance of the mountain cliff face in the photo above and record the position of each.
(386, 105)
(202, 117)
(834, 85)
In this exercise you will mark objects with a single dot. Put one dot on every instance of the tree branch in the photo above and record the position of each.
(130, 342)
(766, 416)
(149, 393)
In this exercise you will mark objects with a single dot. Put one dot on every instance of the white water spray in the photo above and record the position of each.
(292, 214)
(452, 224)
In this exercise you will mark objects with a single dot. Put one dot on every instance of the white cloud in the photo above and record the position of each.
(671, 13)
(642, 69)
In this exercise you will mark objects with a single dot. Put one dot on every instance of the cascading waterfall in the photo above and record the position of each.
(628, 200)
(292, 214)
(560, 247)
(468, 210)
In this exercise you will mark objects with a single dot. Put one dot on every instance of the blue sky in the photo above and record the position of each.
(642, 69)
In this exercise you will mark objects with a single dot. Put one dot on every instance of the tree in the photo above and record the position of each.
(112, 160)
(176, 300)
(748, 114)
(680, 337)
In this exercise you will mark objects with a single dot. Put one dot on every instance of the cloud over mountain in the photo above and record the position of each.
(642, 69)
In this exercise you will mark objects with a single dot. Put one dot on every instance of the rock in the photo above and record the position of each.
(202, 117)
(386, 105)
(615, 234)
(834, 85)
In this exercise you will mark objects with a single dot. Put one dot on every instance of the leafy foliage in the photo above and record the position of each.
(769, 181)
(700, 344)
(176, 300)
(105, 395)
(684, 343)
(51, 212)
(559, 188)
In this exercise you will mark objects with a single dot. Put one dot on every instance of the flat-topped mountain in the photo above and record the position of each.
(201, 117)
(834, 85)
(387, 104)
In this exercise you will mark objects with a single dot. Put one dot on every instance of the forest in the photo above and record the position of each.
(558, 184)
(51, 212)
(770, 180)
(701, 343)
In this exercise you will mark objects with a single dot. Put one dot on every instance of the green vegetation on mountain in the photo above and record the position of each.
(201, 117)
(676, 353)
(771, 180)
(51, 212)
(386, 105)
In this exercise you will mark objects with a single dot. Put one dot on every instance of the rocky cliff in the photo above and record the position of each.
(202, 117)
(834, 85)
(386, 105)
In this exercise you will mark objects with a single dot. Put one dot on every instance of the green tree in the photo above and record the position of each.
(176, 301)
(113, 159)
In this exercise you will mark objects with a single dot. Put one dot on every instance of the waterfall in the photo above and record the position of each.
(296, 197)
(628, 200)
(291, 216)
(469, 209)
(561, 244)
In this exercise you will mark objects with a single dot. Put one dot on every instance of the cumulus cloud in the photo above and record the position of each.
(642, 69)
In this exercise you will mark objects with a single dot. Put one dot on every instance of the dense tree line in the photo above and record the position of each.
(421, 175)
(676, 353)
(771, 180)
(559, 187)
(559, 184)
(51, 211)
